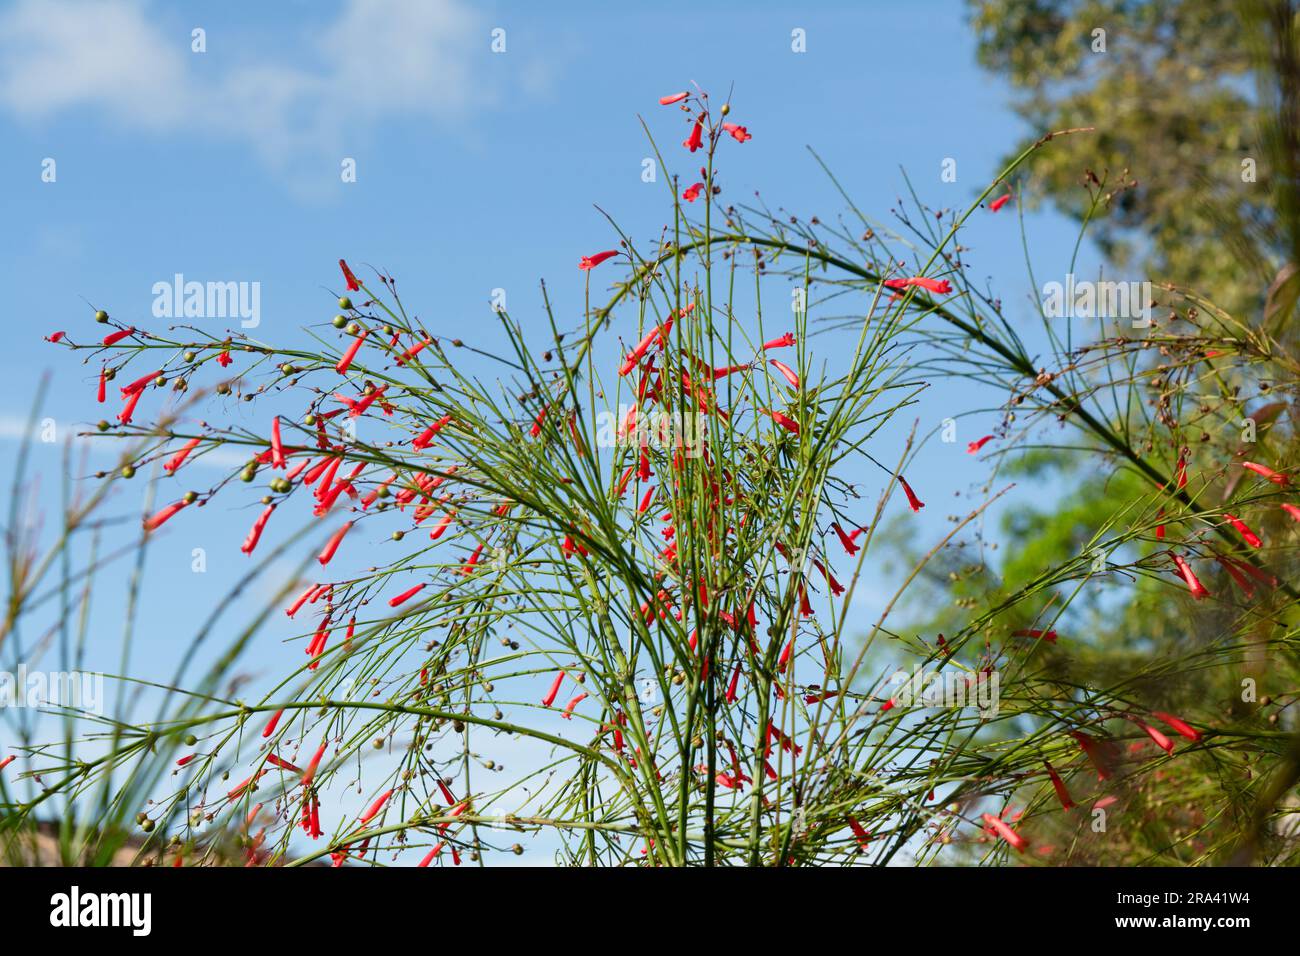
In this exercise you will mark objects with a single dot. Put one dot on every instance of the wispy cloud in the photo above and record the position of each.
(376, 61)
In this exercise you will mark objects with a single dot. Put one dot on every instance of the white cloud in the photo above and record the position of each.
(292, 102)
(65, 53)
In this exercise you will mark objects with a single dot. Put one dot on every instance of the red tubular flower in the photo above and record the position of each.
(332, 544)
(643, 466)
(412, 351)
(849, 547)
(353, 284)
(359, 409)
(692, 193)
(696, 139)
(7, 761)
(549, 699)
(998, 203)
(568, 711)
(1178, 725)
(178, 459)
(1100, 755)
(307, 595)
(223, 358)
(374, 809)
(1269, 473)
(139, 384)
(786, 371)
(441, 526)
(1195, 586)
(1292, 510)
(351, 353)
(309, 774)
(913, 502)
(860, 832)
(103, 385)
(1004, 831)
(430, 856)
(1161, 741)
(658, 332)
(255, 532)
(739, 133)
(975, 446)
(732, 685)
(180, 763)
(114, 337)
(124, 416)
(1058, 785)
(283, 764)
(161, 517)
(779, 343)
(468, 567)
(590, 262)
(672, 98)
(1037, 634)
(422, 440)
(277, 448)
(645, 500)
(786, 422)
(936, 286)
(1242, 582)
(55, 337)
(271, 724)
(1250, 537)
(405, 595)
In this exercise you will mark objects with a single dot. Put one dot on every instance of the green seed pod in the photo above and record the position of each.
(339, 321)
(189, 356)
(128, 471)
(101, 316)
(191, 740)
(345, 303)
(191, 497)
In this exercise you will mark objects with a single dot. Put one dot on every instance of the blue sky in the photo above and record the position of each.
(476, 170)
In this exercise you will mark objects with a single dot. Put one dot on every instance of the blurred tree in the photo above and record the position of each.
(1196, 155)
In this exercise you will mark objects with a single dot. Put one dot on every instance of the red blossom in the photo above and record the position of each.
(405, 595)
(692, 193)
(351, 353)
(998, 203)
(1058, 785)
(1004, 831)
(332, 545)
(549, 699)
(785, 371)
(590, 262)
(353, 284)
(1269, 473)
(255, 532)
(1197, 588)
(975, 446)
(739, 133)
(937, 286)
(913, 502)
(114, 337)
(1178, 725)
(1243, 529)
(161, 517)
(672, 98)
(696, 139)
